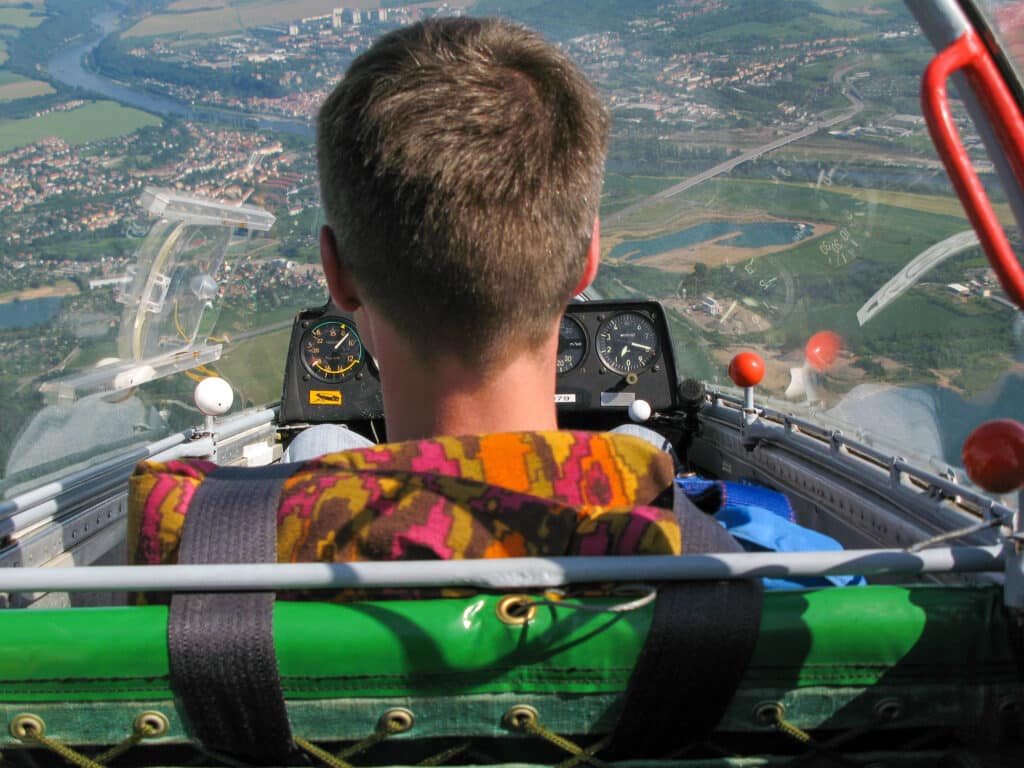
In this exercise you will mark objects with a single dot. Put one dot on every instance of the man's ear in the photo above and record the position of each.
(339, 277)
(593, 260)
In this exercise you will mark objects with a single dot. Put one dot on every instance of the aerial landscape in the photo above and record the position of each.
(769, 172)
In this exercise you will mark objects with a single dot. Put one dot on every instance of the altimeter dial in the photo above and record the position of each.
(572, 344)
(627, 342)
(332, 350)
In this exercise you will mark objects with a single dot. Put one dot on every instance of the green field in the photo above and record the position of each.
(14, 87)
(218, 17)
(857, 6)
(255, 367)
(620, 191)
(21, 18)
(93, 122)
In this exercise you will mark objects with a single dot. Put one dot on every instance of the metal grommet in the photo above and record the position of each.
(769, 712)
(889, 709)
(151, 724)
(520, 716)
(396, 720)
(516, 610)
(27, 727)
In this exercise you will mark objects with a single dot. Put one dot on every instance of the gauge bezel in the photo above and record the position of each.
(620, 369)
(319, 375)
(586, 344)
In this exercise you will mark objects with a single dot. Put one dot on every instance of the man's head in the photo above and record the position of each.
(461, 164)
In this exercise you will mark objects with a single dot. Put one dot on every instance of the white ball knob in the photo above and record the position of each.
(639, 411)
(213, 396)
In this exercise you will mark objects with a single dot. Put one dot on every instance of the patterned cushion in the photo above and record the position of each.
(498, 495)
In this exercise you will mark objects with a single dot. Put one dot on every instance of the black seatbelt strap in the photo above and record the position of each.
(697, 650)
(221, 645)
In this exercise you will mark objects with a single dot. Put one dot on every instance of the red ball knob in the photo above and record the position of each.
(746, 369)
(822, 349)
(993, 455)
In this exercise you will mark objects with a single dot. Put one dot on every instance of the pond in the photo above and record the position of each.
(756, 234)
(24, 314)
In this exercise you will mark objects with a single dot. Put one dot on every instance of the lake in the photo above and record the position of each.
(757, 234)
(24, 314)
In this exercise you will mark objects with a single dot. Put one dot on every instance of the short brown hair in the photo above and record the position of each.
(461, 163)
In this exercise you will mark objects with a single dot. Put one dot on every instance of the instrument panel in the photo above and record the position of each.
(330, 376)
(610, 354)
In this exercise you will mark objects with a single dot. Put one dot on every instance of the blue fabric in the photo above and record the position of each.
(762, 520)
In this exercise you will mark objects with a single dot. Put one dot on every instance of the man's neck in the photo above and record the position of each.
(452, 399)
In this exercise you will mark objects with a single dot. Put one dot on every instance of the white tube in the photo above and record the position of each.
(511, 573)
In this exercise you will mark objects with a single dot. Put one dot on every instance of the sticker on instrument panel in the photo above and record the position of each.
(617, 399)
(324, 397)
(561, 397)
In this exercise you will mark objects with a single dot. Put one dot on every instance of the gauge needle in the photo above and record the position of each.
(640, 346)
(342, 340)
(625, 349)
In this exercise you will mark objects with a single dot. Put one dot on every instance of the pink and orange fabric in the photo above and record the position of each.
(485, 496)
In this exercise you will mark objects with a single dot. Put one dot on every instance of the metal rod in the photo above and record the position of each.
(511, 573)
(119, 463)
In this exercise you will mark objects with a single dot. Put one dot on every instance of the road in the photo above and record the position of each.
(856, 105)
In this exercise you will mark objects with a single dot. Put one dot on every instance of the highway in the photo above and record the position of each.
(856, 105)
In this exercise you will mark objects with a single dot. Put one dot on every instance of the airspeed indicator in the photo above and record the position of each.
(332, 350)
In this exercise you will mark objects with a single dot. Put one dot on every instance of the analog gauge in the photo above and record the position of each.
(627, 342)
(332, 350)
(572, 344)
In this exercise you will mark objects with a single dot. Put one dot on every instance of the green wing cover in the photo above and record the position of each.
(830, 657)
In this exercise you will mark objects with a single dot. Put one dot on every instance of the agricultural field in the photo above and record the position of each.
(14, 87)
(92, 122)
(212, 17)
(21, 18)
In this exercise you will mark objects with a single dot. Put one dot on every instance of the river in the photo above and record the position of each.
(66, 66)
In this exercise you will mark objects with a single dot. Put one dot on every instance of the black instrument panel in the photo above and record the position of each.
(329, 376)
(612, 353)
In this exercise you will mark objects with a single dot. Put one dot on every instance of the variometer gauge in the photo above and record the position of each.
(332, 350)
(572, 345)
(627, 342)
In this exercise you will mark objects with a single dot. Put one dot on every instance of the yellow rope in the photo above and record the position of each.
(119, 749)
(792, 731)
(321, 754)
(536, 729)
(77, 758)
(587, 755)
(443, 757)
(142, 732)
(378, 736)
